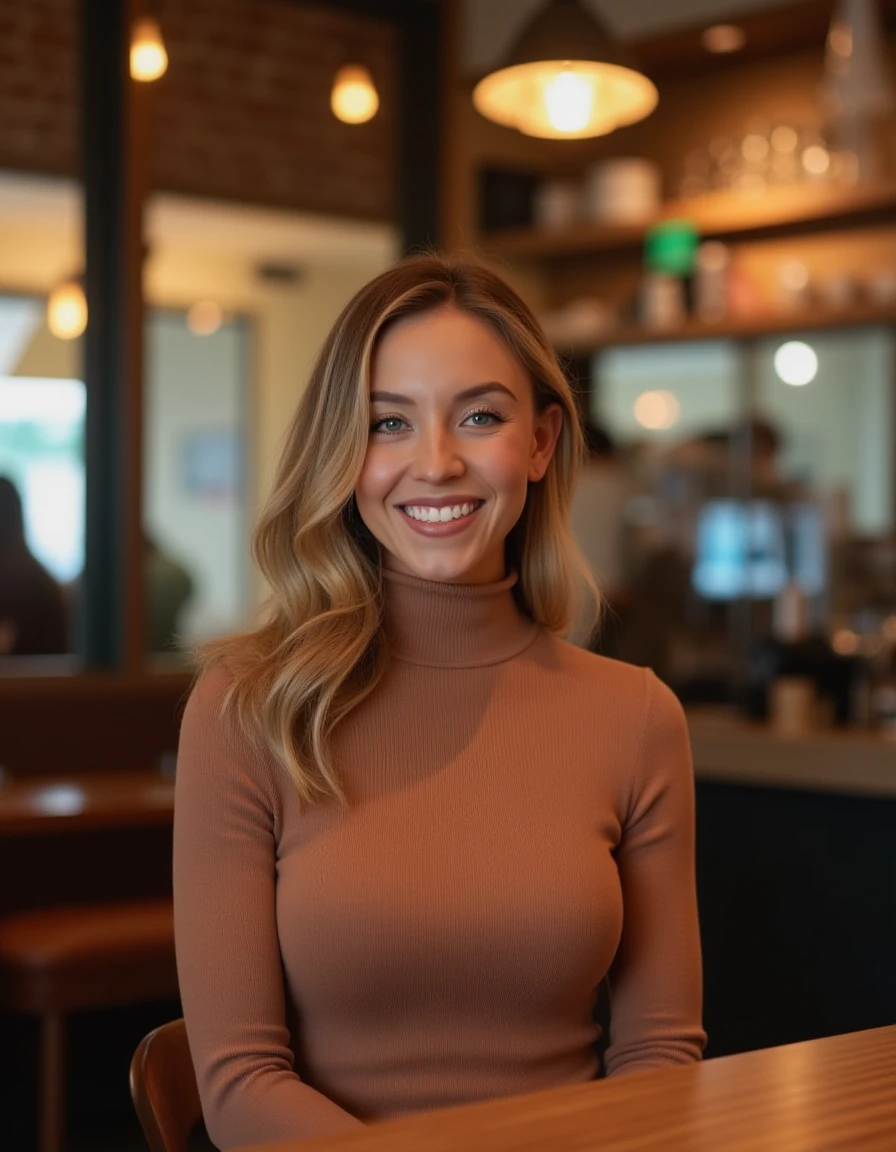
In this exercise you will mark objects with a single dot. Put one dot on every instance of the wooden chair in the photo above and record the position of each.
(163, 1088)
(54, 961)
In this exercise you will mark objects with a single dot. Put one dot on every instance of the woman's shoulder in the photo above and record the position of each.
(589, 668)
(629, 691)
(211, 689)
(215, 743)
(212, 715)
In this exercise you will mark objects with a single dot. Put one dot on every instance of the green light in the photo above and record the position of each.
(671, 247)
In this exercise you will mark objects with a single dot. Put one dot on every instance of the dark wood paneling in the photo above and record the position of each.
(798, 914)
(89, 724)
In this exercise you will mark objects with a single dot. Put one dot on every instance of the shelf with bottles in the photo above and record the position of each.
(736, 328)
(727, 215)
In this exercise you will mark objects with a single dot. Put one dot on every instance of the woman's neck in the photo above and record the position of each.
(454, 625)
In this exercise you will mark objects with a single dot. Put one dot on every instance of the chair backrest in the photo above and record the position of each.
(163, 1088)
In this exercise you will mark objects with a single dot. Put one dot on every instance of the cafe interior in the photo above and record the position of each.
(698, 200)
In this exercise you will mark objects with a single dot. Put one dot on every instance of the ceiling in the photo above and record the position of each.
(489, 26)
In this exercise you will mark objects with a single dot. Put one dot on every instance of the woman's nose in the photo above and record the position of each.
(438, 458)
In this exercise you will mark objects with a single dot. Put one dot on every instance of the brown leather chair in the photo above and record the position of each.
(163, 1088)
(59, 960)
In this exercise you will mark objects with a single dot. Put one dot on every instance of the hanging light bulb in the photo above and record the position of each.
(149, 60)
(565, 78)
(354, 98)
(67, 310)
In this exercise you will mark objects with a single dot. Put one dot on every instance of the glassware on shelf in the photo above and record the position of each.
(857, 89)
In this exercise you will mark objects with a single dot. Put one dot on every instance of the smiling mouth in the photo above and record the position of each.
(427, 515)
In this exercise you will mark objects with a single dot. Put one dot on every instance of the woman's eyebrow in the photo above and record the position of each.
(467, 394)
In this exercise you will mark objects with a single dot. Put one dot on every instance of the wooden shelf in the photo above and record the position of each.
(742, 328)
(723, 216)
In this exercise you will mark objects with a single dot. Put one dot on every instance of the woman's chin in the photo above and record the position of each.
(450, 570)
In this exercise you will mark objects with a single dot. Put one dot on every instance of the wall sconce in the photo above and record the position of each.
(149, 59)
(354, 98)
(565, 78)
(67, 310)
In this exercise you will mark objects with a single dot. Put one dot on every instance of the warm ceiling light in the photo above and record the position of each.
(205, 317)
(149, 60)
(722, 38)
(67, 311)
(657, 410)
(354, 98)
(565, 78)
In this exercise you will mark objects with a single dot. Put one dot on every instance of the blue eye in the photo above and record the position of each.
(484, 418)
(388, 424)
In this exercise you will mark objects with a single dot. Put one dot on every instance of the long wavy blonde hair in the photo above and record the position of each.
(320, 648)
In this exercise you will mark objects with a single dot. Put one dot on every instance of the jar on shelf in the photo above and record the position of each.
(625, 190)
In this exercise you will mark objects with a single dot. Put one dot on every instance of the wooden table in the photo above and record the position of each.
(821, 1096)
(86, 802)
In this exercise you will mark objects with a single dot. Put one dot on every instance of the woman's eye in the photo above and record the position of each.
(483, 419)
(388, 424)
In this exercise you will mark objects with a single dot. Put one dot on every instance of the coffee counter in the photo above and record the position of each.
(730, 750)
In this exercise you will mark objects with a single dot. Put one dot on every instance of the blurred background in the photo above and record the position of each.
(698, 200)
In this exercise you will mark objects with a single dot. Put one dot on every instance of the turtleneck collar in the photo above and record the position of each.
(454, 625)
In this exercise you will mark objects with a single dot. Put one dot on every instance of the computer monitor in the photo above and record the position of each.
(752, 548)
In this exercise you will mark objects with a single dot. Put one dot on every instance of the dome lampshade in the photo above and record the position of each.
(565, 78)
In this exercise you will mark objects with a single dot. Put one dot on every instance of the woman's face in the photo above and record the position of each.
(454, 443)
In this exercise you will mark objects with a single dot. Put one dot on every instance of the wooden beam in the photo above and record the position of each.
(113, 141)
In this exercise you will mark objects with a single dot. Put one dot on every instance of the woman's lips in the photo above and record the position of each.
(441, 527)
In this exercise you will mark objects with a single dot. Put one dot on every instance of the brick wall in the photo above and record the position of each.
(241, 114)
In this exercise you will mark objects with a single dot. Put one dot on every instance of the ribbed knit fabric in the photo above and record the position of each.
(520, 823)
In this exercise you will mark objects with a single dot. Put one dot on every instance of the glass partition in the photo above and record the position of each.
(759, 503)
(42, 403)
(197, 496)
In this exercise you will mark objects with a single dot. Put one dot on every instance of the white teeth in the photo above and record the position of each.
(439, 515)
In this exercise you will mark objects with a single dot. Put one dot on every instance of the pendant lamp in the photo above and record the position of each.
(565, 78)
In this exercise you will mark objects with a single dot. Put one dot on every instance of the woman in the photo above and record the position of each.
(415, 829)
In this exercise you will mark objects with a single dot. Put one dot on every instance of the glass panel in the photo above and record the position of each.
(241, 301)
(42, 402)
(829, 395)
(669, 411)
(41, 481)
(196, 493)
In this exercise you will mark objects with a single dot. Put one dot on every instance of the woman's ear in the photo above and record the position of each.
(548, 426)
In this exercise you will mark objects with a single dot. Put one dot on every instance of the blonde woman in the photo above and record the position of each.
(415, 829)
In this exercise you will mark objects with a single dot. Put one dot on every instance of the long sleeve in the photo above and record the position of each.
(656, 977)
(228, 954)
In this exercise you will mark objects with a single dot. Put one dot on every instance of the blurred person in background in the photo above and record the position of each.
(33, 617)
(169, 587)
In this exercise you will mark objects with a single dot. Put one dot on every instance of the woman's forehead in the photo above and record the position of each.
(446, 348)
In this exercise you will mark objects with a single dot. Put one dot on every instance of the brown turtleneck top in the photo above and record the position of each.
(520, 825)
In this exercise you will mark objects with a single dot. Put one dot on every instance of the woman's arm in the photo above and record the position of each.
(228, 954)
(656, 980)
